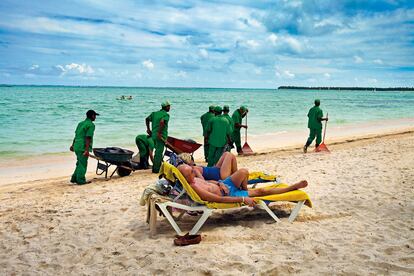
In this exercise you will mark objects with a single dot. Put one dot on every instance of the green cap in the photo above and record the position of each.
(243, 108)
(211, 107)
(165, 103)
(218, 109)
(226, 108)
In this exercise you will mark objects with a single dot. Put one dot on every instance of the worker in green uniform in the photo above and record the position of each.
(226, 115)
(237, 117)
(145, 146)
(82, 145)
(204, 122)
(218, 131)
(159, 132)
(315, 118)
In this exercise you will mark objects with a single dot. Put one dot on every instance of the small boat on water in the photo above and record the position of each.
(124, 98)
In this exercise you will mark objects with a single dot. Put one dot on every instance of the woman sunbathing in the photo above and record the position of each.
(226, 166)
(233, 189)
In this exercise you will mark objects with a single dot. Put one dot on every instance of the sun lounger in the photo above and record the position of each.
(172, 174)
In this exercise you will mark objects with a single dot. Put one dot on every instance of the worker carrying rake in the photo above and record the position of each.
(237, 117)
(315, 118)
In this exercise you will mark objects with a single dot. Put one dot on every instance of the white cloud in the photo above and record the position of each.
(272, 38)
(358, 59)
(285, 43)
(284, 74)
(288, 74)
(327, 75)
(34, 67)
(148, 64)
(252, 44)
(203, 53)
(377, 61)
(75, 68)
(294, 43)
(254, 23)
(61, 68)
(81, 68)
(258, 71)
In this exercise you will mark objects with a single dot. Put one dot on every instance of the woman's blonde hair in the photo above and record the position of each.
(186, 158)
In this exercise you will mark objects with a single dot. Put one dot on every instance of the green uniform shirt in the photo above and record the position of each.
(84, 129)
(147, 141)
(204, 121)
(231, 122)
(155, 118)
(237, 119)
(313, 115)
(218, 128)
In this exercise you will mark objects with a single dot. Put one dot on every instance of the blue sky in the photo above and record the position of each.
(252, 44)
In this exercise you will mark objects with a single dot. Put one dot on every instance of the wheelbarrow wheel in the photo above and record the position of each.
(123, 172)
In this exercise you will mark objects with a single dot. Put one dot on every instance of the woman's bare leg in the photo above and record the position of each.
(227, 164)
(240, 178)
(273, 191)
(233, 163)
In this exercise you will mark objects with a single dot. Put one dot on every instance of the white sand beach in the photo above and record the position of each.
(362, 222)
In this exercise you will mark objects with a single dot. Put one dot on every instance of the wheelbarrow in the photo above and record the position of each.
(113, 156)
(178, 146)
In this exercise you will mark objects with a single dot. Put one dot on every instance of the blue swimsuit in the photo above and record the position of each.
(211, 173)
(233, 190)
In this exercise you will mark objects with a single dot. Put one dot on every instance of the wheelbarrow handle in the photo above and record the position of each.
(95, 157)
(166, 142)
(177, 151)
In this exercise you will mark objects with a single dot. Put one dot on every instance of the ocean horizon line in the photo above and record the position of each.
(282, 87)
(356, 88)
(115, 86)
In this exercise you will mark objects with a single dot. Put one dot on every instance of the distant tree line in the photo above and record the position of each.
(348, 88)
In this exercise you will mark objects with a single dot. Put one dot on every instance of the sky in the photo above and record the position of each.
(241, 43)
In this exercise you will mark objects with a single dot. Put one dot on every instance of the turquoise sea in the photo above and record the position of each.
(41, 119)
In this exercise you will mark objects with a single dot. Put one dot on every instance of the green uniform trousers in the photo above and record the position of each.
(214, 154)
(237, 140)
(143, 154)
(206, 147)
(159, 155)
(78, 175)
(312, 133)
(143, 151)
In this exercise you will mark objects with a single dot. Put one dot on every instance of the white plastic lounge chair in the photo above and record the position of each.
(171, 173)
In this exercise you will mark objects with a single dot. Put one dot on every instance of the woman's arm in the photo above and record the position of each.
(197, 172)
(211, 197)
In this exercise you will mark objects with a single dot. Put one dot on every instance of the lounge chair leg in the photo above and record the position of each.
(270, 212)
(170, 219)
(181, 214)
(295, 211)
(153, 219)
(200, 222)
